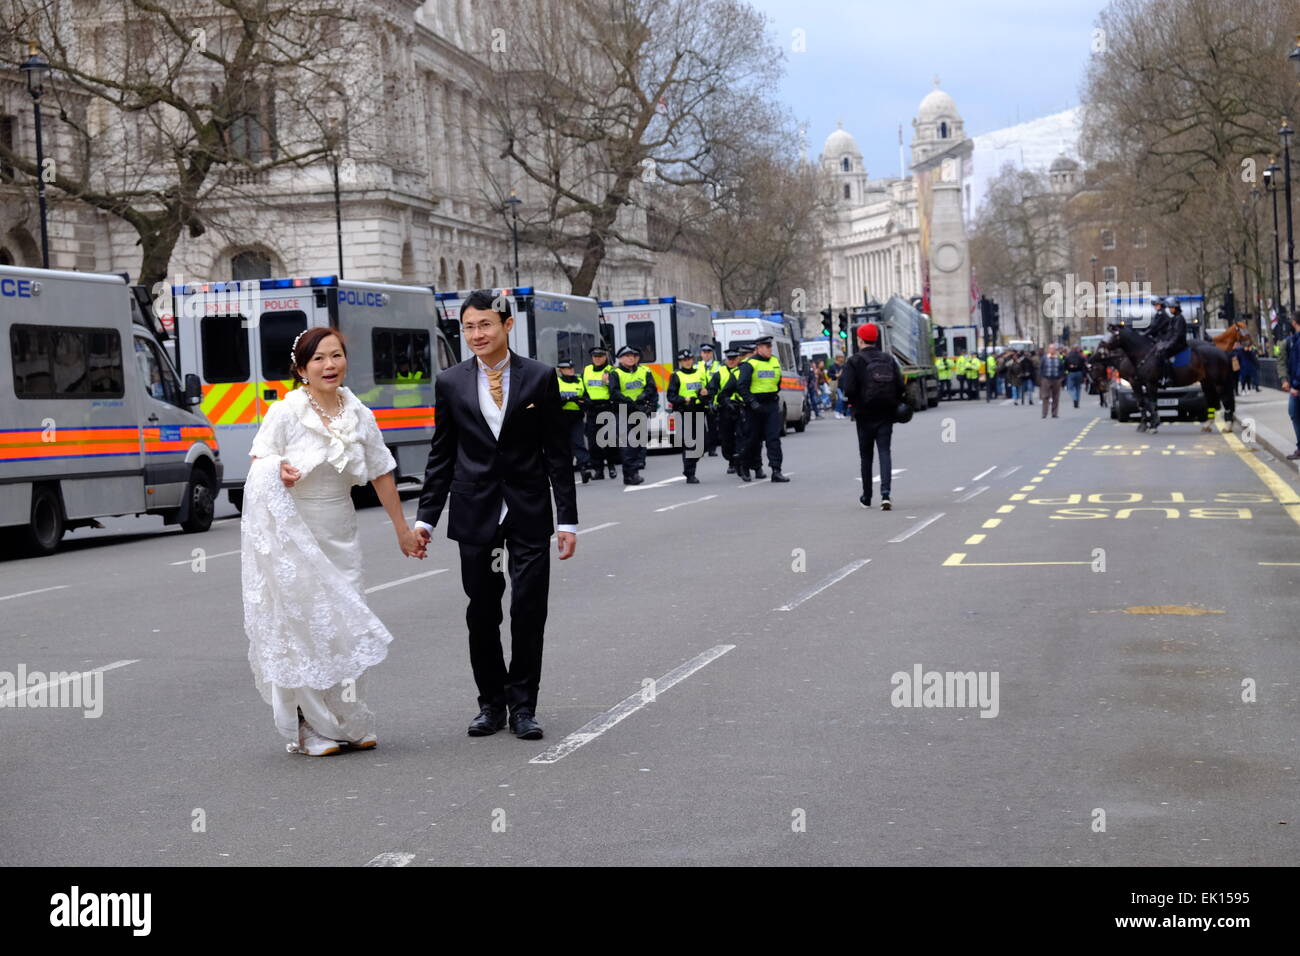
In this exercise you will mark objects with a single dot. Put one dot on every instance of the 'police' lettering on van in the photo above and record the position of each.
(16, 288)
(376, 300)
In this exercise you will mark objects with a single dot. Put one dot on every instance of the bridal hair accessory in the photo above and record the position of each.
(293, 353)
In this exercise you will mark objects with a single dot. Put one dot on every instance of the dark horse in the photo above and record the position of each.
(1099, 365)
(1208, 365)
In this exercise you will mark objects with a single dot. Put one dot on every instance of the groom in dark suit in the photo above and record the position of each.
(501, 449)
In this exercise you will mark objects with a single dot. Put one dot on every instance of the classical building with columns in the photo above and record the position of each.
(902, 235)
(413, 202)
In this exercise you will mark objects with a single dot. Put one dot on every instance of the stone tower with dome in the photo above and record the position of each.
(940, 156)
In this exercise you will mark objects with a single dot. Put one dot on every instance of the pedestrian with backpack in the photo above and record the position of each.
(873, 385)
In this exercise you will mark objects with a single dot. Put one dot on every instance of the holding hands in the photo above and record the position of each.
(414, 542)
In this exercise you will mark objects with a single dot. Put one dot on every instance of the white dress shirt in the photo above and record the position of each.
(494, 417)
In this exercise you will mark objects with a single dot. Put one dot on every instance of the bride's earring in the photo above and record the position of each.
(305, 382)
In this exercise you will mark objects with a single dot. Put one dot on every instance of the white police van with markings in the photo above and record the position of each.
(548, 327)
(660, 328)
(236, 336)
(93, 419)
(742, 327)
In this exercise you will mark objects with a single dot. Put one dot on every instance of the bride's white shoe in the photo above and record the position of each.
(368, 742)
(311, 743)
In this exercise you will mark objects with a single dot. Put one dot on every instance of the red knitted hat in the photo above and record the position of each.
(868, 332)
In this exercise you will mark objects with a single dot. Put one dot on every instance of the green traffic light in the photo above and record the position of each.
(826, 332)
(843, 334)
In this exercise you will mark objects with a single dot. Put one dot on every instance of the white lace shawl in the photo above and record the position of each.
(292, 429)
(307, 624)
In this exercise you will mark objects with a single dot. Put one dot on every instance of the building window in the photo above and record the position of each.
(442, 274)
(847, 191)
(846, 165)
(8, 125)
(6, 257)
(943, 130)
(1140, 238)
(460, 274)
(252, 135)
(1139, 275)
(1109, 274)
(1108, 238)
(250, 265)
(478, 277)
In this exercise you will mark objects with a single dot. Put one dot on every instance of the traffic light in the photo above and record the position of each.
(844, 325)
(826, 321)
(993, 312)
(940, 341)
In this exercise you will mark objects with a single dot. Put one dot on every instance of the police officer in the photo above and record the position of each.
(730, 410)
(1169, 335)
(688, 395)
(759, 385)
(595, 383)
(709, 365)
(573, 401)
(943, 369)
(632, 386)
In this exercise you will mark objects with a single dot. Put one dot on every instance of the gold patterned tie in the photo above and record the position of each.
(494, 383)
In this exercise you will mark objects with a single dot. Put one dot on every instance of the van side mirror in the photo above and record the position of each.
(193, 390)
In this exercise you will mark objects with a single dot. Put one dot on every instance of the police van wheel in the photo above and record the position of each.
(45, 530)
(202, 500)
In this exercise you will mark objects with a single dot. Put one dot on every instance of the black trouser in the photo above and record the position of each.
(711, 437)
(607, 454)
(875, 433)
(764, 425)
(729, 434)
(577, 438)
(633, 455)
(530, 582)
(692, 427)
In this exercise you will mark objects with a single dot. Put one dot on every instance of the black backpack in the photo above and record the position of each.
(876, 386)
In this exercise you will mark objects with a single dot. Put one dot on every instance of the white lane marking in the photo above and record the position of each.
(607, 524)
(206, 557)
(1009, 472)
(413, 577)
(1009, 401)
(983, 473)
(10, 697)
(655, 484)
(959, 488)
(627, 707)
(817, 589)
(971, 494)
(37, 591)
(392, 859)
(682, 504)
(892, 471)
(918, 527)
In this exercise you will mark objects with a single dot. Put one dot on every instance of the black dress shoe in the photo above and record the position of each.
(488, 722)
(633, 479)
(612, 472)
(524, 726)
(759, 473)
(599, 474)
(777, 476)
(586, 477)
(692, 480)
(744, 475)
(731, 469)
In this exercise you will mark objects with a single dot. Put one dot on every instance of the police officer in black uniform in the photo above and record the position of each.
(633, 386)
(688, 395)
(709, 365)
(1169, 334)
(730, 410)
(596, 387)
(759, 385)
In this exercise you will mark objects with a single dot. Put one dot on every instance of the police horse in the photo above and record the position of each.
(1199, 362)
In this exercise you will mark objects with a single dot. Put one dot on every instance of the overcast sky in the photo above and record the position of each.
(869, 63)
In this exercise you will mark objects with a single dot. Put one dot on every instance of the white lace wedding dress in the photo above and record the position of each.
(311, 633)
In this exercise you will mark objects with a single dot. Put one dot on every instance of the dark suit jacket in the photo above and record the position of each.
(531, 460)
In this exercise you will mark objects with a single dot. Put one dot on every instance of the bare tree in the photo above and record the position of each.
(602, 109)
(178, 109)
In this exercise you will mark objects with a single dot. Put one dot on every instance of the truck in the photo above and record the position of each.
(95, 421)
(741, 327)
(660, 328)
(236, 336)
(907, 334)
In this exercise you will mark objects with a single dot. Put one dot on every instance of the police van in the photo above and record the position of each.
(549, 326)
(660, 328)
(742, 327)
(94, 420)
(236, 336)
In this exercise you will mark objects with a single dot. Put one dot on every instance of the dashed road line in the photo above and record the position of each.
(971, 494)
(14, 695)
(817, 589)
(916, 528)
(392, 859)
(984, 472)
(56, 587)
(413, 577)
(683, 504)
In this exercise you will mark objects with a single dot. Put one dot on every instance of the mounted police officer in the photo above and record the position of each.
(760, 388)
(730, 409)
(573, 403)
(1169, 334)
(595, 383)
(688, 395)
(633, 386)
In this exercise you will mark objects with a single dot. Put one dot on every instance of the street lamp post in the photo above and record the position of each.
(1270, 180)
(338, 200)
(513, 203)
(1286, 132)
(1096, 323)
(35, 70)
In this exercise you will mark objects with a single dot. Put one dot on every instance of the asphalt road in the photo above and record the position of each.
(1121, 588)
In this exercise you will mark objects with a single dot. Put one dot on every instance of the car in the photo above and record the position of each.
(1183, 404)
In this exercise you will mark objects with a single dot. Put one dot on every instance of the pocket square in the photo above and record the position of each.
(530, 405)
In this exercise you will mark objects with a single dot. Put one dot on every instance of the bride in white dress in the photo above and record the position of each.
(311, 633)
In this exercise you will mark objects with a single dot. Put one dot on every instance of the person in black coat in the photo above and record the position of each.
(500, 452)
(873, 385)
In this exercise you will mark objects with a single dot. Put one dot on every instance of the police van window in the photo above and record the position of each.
(445, 360)
(958, 344)
(401, 356)
(607, 334)
(787, 354)
(155, 374)
(573, 346)
(224, 340)
(66, 362)
(275, 333)
(641, 335)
